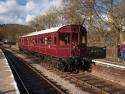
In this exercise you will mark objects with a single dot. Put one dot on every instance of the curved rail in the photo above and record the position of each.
(53, 85)
(90, 81)
(20, 80)
(42, 77)
(78, 81)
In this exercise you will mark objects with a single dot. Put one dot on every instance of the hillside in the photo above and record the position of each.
(11, 31)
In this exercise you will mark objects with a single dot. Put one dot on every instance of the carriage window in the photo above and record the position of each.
(64, 38)
(75, 37)
(35, 40)
(27, 39)
(42, 40)
(45, 40)
(49, 40)
(22, 40)
(83, 39)
(55, 40)
(38, 40)
(30, 40)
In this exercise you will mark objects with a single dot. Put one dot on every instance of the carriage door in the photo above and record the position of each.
(75, 38)
(64, 44)
(83, 42)
(75, 43)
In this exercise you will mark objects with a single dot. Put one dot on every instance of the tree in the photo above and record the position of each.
(48, 20)
(114, 10)
(95, 15)
(71, 13)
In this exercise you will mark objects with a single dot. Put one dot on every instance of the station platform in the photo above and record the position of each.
(118, 65)
(7, 82)
(112, 71)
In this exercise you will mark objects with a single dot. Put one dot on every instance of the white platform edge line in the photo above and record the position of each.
(113, 65)
(15, 85)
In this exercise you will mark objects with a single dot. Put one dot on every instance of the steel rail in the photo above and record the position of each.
(58, 89)
(80, 82)
(76, 80)
(90, 86)
(38, 73)
(18, 75)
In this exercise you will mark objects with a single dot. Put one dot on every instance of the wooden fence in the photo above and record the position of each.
(98, 39)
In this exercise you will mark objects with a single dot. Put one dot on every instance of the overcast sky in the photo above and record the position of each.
(21, 11)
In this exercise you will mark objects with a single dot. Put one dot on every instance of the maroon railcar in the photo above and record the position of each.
(65, 43)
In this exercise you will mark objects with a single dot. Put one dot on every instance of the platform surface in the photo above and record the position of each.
(7, 81)
(110, 63)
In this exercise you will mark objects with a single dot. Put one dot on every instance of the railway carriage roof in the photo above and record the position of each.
(54, 29)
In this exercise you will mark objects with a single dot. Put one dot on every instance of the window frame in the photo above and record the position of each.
(64, 41)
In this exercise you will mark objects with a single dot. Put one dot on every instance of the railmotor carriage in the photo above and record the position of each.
(65, 45)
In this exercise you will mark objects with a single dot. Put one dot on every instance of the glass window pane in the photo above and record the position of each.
(55, 40)
(64, 39)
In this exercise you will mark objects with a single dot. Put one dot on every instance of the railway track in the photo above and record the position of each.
(29, 80)
(89, 82)
(85, 81)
